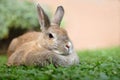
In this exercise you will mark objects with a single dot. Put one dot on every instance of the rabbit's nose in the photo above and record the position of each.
(67, 46)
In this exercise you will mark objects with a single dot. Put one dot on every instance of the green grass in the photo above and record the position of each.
(101, 64)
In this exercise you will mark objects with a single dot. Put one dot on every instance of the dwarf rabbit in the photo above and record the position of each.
(51, 45)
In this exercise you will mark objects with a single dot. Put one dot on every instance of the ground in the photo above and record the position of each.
(102, 64)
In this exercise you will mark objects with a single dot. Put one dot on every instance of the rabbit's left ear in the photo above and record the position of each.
(43, 18)
(58, 16)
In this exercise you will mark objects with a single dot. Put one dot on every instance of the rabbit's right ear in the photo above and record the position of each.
(43, 18)
(58, 16)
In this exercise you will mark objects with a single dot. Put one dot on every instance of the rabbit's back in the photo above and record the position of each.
(25, 38)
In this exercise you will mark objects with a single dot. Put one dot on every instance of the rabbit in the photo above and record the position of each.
(50, 46)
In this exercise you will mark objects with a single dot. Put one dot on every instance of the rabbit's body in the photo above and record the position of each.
(33, 55)
(52, 45)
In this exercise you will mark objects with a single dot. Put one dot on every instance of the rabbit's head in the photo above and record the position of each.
(54, 38)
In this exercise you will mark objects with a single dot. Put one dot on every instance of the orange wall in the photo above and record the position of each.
(90, 23)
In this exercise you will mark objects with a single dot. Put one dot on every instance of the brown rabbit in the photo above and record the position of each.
(51, 45)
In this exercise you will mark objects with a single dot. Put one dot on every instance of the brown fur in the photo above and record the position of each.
(17, 42)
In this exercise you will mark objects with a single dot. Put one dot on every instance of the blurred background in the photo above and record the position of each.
(91, 24)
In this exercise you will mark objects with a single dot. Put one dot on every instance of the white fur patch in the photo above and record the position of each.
(39, 45)
(56, 51)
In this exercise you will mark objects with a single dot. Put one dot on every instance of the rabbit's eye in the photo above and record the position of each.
(50, 35)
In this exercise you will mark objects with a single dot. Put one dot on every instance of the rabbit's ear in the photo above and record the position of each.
(43, 18)
(58, 16)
